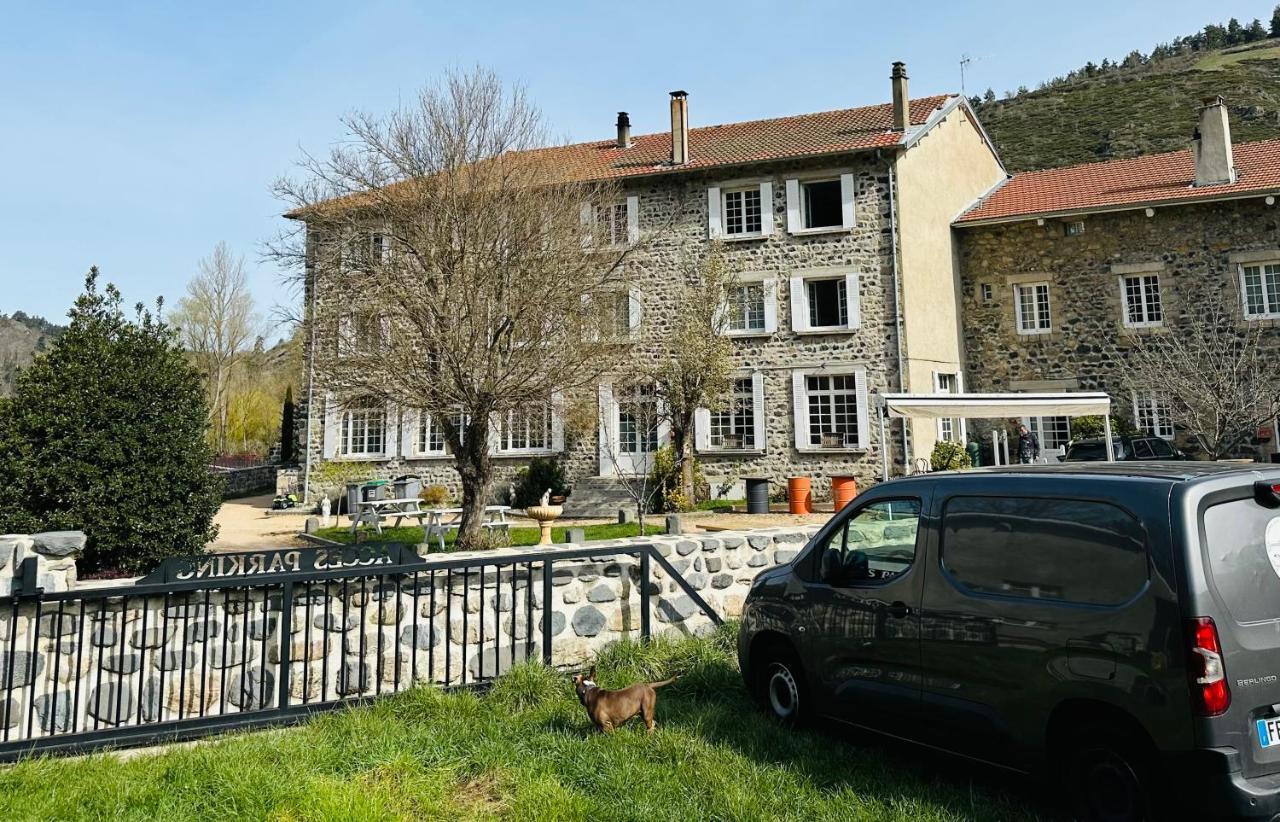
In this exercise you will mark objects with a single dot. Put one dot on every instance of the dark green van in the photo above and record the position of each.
(1115, 625)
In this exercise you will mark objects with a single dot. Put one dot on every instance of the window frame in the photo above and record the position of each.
(502, 431)
(704, 419)
(801, 305)
(1161, 423)
(1048, 305)
(839, 527)
(1270, 308)
(369, 405)
(743, 192)
(803, 186)
(1144, 304)
(802, 414)
(732, 313)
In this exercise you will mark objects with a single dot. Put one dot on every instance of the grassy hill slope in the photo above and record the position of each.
(1143, 110)
(21, 338)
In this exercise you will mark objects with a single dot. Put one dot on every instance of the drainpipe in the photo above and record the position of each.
(311, 384)
(897, 300)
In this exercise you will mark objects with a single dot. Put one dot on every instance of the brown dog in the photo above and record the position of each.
(609, 709)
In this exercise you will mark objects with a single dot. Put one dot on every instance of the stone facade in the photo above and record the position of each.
(1190, 247)
(105, 660)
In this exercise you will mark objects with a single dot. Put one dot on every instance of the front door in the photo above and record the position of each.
(865, 616)
(632, 428)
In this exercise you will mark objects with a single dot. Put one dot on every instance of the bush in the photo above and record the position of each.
(949, 456)
(533, 480)
(434, 495)
(666, 475)
(1089, 428)
(105, 433)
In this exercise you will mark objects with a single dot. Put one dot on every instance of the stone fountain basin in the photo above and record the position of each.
(544, 513)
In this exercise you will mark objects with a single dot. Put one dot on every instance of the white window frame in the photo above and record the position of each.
(769, 301)
(1271, 309)
(554, 435)
(1160, 411)
(797, 211)
(950, 429)
(1143, 292)
(1038, 426)
(389, 438)
(352, 343)
(412, 423)
(800, 302)
(717, 210)
(1017, 307)
(702, 422)
(800, 409)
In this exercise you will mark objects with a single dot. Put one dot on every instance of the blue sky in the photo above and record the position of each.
(135, 136)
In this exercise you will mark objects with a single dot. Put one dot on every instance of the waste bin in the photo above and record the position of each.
(975, 453)
(358, 492)
(407, 486)
(799, 500)
(757, 495)
(843, 490)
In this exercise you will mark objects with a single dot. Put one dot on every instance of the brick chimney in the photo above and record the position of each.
(679, 128)
(624, 130)
(901, 102)
(1211, 145)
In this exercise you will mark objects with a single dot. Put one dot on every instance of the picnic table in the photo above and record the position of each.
(374, 511)
(441, 521)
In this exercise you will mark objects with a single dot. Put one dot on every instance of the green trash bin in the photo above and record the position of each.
(975, 453)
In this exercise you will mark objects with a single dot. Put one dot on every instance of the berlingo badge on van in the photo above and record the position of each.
(1273, 544)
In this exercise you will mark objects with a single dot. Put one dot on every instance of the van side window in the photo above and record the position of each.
(1079, 551)
(876, 545)
(1142, 449)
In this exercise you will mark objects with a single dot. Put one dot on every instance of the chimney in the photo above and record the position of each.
(624, 130)
(679, 128)
(1211, 145)
(901, 103)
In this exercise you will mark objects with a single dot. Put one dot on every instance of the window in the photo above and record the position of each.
(1140, 296)
(986, 292)
(1079, 551)
(430, 436)
(950, 429)
(362, 333)
(746, 308)
(638, 421)
(1031, 303)
(821, 204)
(828, 302)
(876, 545)
(1241, 541)
(1053, 432)
(526, 429)
(1073, 229)
(1261, 286)
(833, 411)
(1152, 414)
(734, 428)
(742, 212)
(364, 428)
(611, 220)
(366, 249)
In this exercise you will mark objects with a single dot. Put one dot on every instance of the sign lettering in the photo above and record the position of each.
(276, 561)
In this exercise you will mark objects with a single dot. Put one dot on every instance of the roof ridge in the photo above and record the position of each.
(1134, 159)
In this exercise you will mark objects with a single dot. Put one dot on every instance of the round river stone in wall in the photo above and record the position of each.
(557, 623)
(602, 593)
(588, 621)
(25, 665)
(423, 636)
(676, 609)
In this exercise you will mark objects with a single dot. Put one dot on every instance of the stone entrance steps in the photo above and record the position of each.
(598, 497)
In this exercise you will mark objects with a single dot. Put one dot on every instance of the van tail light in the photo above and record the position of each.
(1204, 666)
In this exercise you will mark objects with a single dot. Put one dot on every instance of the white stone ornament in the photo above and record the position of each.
(1273, 544)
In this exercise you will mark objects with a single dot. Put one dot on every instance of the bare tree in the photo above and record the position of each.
(218, 325)
(1215, 371)
(693, 366)
(632, 433)
(459, 268)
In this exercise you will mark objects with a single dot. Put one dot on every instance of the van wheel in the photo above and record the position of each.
(1109, 776)
(780, 686)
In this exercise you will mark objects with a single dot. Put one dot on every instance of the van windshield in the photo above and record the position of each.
(1236, 537)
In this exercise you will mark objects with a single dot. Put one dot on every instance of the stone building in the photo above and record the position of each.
(1060, 267)
(838, 225)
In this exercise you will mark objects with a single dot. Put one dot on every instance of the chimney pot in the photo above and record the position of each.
(679, 127)
(901, 102)
(624, 130)
(1211, 144)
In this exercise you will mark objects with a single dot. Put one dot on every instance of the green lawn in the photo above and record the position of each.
(519, 536)
(525, 751)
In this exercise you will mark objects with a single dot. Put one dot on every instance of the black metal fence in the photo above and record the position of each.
(214, 643)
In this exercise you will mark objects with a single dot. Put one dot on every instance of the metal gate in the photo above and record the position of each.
(210, 643)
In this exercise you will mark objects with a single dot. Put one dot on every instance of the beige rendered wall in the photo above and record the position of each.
(937, 178)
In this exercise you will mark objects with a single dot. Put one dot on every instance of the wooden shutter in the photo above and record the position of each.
(800, 410)
(793, 206)
(634, 311)
(557, 421)
(847, 216)
(346, 328)
(757, 409)
(409, 447)
(715, 227)
(633, 219)
(799, 305)
(608, 435)
(587, 215)
(332, 427)
(771, 304)
(864, 416)
(390, 432)
(766, 209)
(702, 429)
(853, 300)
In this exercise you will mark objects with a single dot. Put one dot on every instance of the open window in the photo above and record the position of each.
(824, 302)
(820, 204)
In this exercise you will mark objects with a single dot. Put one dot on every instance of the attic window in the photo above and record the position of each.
(1073, 229)
(822, 204)
(986, 292)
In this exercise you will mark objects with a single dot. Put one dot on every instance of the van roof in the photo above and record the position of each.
(1175, 471)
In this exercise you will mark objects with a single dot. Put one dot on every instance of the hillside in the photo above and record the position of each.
(1142, 109)
(21, 338)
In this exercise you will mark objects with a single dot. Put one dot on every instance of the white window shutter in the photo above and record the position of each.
(757, 409)
(384, 332)
(720, 319)
(771, 305)
(793, 206)
(608, 436)
(634, 311)
(409, 446)
(633, 219)
(937, 389)
(587, 215)
(391, 432)
(799, 305)
(766, 209)
(346, 345)
(853, 299)
(495, 438)
(964, 432)
(847, 218)
(800, 409)
(715, 228)
(864, 415)
(702, 429)
(557, 421)
(332, 427)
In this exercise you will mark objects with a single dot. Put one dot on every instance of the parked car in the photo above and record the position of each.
(1125, 447)
(1117, 625)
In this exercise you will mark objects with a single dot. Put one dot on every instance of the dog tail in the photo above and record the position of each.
(664, 682)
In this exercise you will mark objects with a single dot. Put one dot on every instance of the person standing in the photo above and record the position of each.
(1028, 446)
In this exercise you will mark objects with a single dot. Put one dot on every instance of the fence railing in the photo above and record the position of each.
(234, 640)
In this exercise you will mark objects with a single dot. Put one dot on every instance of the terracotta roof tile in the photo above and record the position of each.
(1120, 184)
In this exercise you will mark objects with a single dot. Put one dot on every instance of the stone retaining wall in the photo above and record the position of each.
(241, 481)
(106, 660)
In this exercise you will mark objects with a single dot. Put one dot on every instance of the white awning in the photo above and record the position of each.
(996, 406)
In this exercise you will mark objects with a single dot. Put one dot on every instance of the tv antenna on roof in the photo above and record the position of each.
(965, 60)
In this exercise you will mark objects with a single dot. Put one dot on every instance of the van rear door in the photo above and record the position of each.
(1240, 543)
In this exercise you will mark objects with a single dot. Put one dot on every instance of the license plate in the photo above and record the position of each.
(1268, 731)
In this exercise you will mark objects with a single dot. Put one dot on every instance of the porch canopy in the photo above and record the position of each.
(996, 406)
